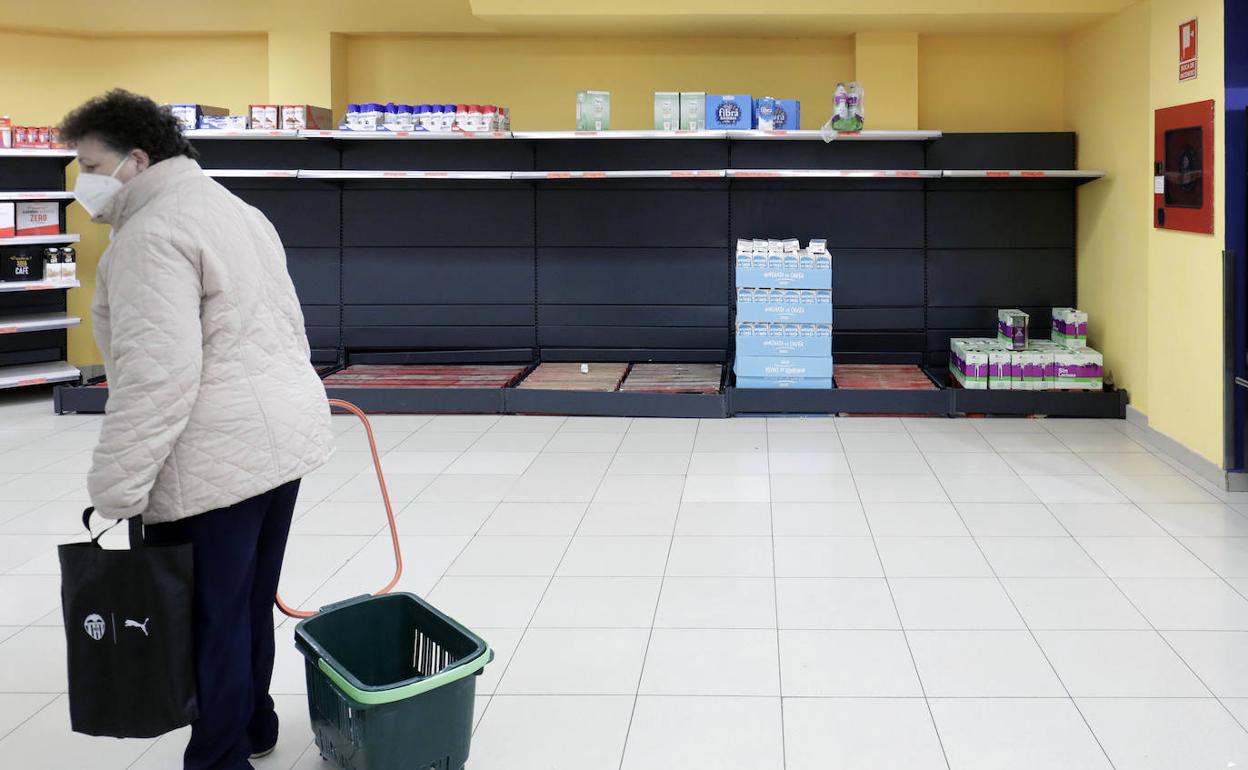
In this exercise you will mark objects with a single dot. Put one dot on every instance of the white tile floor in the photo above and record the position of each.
(861, 593)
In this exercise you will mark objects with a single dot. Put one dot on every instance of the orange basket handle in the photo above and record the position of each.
(385, 498)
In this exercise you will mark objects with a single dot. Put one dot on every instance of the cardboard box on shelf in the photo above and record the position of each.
(968, 362)
(729, 111)
(785, 278)
(224, 122)
(788, 115)
(1000, 366)
(790, 340)
(38, 218)
(265, 116)
(1070, 327)
(1032, 369)
(188, 115)
(692, 110)
(783, 367)
(8, 220)
(593, 110)
(1012, 328)
(803, 306)
(1078, 369)
(21, 267)
(783, 383)
(305, 116)
(666, 110)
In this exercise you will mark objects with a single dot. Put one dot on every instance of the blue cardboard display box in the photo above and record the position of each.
(809, 383)
(784, 278)
(785, 312)
(783, 367)
(730, 111)
(800, 347)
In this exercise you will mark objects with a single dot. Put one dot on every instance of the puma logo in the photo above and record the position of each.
(136, 624)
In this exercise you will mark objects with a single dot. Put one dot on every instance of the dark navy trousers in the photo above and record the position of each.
(238, 559)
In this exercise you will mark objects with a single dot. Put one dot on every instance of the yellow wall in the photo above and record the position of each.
(1107, 105)
(225, 71)
(991, 83)
(1185, 269)
(539, 77)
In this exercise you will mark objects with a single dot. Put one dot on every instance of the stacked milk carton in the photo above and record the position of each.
(784, 314)
(1013, 361)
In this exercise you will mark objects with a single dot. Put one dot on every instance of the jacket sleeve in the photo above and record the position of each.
(154, 293)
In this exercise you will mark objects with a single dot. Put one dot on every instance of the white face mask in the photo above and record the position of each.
(94, 191)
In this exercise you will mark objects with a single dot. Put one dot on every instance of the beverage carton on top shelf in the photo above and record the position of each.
(729, 111)
(305, 116)
(666, 110)
(188, 115)
(593, 110)
(692, 110)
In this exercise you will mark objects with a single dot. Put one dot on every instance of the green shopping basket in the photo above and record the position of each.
(391, 682)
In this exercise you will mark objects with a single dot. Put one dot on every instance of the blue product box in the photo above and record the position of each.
(809, 383)
(785, 312)
(731, 111)
(787, 117)
(783, 367)
(223, 122)
(791, 346)
(784, 278)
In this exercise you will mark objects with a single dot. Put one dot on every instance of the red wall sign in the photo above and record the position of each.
(1187, 50)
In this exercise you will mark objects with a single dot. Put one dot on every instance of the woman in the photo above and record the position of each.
(214, 411)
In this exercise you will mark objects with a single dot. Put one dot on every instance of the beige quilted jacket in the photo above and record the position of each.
(212, 398)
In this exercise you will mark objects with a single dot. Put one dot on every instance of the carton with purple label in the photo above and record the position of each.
(1032, 369)
(968, 362)
(1070, 327)
(1081, 369)
(1012, 328)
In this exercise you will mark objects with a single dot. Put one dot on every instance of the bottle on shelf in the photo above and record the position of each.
(52, 264)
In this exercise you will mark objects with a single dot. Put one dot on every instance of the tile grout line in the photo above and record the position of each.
(931, 714)
(538, 605)
(1030, 631)
(654, 617)
(775, 594)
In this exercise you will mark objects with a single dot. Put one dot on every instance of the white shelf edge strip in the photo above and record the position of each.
(36, 196)
(37, 374)
(418, 135)
(37, 323)
(734, 173)
(620, 134)
(37, 240)
(816, 173)
(10, 286)
(250, 133)
(859, 136)
(250, 173)
(364, 174)
(709, 173)
(26, 153)
(1024, 174)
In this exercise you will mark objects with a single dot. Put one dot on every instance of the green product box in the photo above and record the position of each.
(593, 110)
(666, 110)
(693, 110)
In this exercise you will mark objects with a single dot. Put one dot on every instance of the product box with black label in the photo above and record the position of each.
(729, 111)
(38, 218)
(8, 220)
(20, 266)
(305, 116)
(188, 115)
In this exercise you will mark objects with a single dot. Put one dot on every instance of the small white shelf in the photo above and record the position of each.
(11, 286)
(410, 135)
(1024, 174)
(60, 195)
(251, 173)
(249, 133)
(25, 153)
(712, 173)
(36, 323)
(36, 374)
(39, 240)
(831, 173)
(857, 136)
(620, 134)
(367, 174)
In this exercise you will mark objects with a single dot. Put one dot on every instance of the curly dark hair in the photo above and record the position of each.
(125, 122)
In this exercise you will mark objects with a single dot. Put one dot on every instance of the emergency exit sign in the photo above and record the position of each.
(1187, 50)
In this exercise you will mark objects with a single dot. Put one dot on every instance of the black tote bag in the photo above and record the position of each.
(128, 636)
